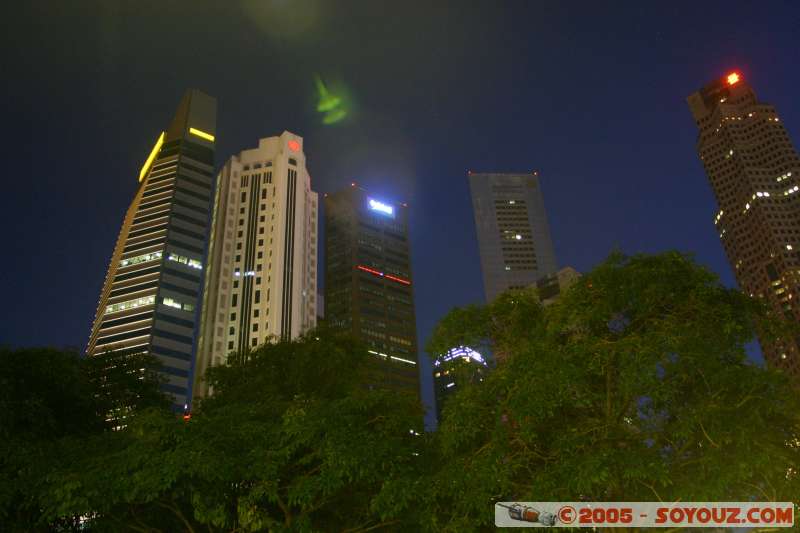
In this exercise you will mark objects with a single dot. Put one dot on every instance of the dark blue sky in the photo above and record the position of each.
(591, 94)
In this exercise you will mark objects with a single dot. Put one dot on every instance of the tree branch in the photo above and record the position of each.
(361, 529)
(714, 444)
(176, 510)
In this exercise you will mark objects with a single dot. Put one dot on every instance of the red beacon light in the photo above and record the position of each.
(733, 78)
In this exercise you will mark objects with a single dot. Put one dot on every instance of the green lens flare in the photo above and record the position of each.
(330, 105)
(334, 116)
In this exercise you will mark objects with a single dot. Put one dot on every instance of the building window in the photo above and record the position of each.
(231, 331)
(255, 327)
(233, 317)
(258, 296)
(233, 301)
(293, 161)
(255, 313)
(230, 345)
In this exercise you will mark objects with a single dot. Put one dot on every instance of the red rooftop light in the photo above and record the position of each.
(293, 145)
(733, 78)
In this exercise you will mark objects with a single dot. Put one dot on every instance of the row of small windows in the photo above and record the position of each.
(151, 256)
(131, 304)
(177, 304)
(194, 263)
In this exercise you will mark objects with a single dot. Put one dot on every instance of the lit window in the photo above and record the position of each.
(152, 256)
(131, 304)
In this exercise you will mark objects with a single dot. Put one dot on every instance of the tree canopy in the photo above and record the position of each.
(291, 440)
(634, 386)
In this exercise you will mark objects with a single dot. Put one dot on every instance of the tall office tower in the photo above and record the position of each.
(754, 169)
(152, 292)
(368, 287)
(513, 234)
(261, 277)
(458, 366)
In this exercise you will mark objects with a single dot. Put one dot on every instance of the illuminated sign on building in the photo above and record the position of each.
(467, 354)
(380, 206)
(733, 78)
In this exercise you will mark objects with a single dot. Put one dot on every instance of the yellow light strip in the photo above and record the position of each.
(151, 157)
(202, 134)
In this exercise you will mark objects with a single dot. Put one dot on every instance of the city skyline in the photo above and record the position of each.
(595, 102)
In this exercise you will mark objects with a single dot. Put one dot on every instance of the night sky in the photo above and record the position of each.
(591, 94)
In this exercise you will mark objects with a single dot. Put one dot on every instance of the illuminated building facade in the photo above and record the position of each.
(368, 283)
(151, 297)
(754, 169)
(458, 366)
(513, 233)
(261, 278)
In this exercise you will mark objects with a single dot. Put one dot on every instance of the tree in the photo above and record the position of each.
(52, 401)
(291, 440)
(634, 386)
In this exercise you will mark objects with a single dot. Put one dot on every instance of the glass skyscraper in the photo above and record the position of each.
(368, 282)
(150, 302)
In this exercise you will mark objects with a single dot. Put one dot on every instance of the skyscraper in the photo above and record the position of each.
(513, 234)
(368, 283)
(152, 292)
(261, 278)
(753, 169)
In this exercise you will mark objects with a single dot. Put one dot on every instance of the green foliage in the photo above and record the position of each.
(52, 403)
(291, 440)
(634, 386)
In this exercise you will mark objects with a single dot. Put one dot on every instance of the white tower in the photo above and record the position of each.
(261, 274)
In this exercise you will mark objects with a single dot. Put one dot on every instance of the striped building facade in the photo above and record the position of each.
(150, 302)
(261, 279)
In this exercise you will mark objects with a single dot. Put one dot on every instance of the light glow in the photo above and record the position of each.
(201, 134)
(151, 157)
(380, 206)
(733, 78)
(293, 145)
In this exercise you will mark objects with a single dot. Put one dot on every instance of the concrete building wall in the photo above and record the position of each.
(513, 233)
(262, 264)
(753, 169)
